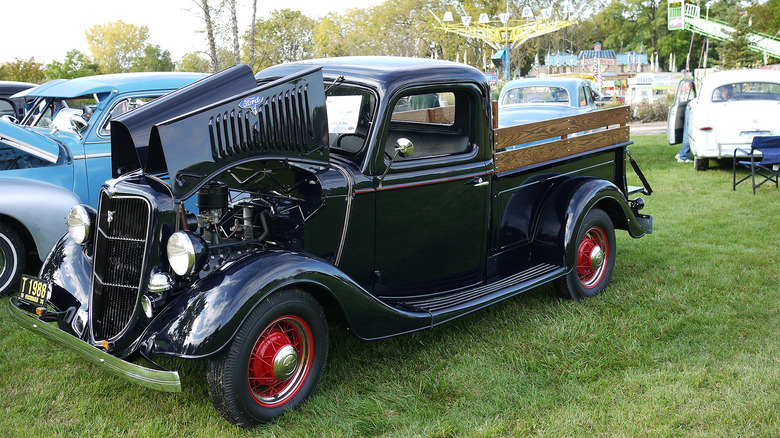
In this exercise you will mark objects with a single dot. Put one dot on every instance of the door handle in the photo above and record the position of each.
(477, 181)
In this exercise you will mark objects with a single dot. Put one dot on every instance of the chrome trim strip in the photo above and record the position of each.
(84, 157)
(24, 147)
(160, 380)
(347, 213)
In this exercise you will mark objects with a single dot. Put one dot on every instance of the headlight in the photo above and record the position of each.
(187, 252)
(80, 221)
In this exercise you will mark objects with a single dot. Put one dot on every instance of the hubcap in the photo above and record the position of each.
(592, 257)
(280, 361)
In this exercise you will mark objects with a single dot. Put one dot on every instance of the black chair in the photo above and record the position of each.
(764, 161)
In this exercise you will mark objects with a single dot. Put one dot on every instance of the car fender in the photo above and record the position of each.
(201, 322)
(566, 207)
(41, 208)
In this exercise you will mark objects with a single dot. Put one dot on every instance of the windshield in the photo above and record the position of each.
(538, 94)
(55, 112)
(747, 91)
(350, 115)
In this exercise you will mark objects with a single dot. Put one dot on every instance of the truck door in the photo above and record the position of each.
(432, 206)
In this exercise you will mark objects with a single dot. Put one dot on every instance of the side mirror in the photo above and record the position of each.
(404, 148)
(78, 123)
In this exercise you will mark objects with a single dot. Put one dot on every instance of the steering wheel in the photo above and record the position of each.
(343, 136)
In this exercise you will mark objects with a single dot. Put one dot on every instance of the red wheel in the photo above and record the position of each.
(274, 362)
(280, 361)
(595, 258)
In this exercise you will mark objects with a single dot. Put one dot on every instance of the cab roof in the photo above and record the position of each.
(121, 82)
(385, 72)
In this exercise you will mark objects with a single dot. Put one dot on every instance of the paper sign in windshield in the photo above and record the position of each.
(343, 113)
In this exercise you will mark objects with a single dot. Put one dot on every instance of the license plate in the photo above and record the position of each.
(748, 135)
(33, 291)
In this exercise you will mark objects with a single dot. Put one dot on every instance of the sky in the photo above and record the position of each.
(48, 29)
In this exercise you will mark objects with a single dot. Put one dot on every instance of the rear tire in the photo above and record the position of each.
(275, 361)
(595, 258)
(12, 259)
(701, 163)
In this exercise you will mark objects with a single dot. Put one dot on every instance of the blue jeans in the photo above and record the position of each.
(685, 149)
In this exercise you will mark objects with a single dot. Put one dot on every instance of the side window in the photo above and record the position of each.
(437, 122)
(122, 107)
(7, 108)
(14, 156)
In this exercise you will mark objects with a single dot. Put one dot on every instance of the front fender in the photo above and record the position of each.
(205, 319)
(41, 208)
(566, 208)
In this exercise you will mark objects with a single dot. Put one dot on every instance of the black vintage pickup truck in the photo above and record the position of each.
(244, 209)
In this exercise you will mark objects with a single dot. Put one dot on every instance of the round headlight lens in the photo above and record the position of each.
(186, 252)
(79, 224)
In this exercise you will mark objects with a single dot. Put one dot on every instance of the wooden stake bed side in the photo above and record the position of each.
(562, 127)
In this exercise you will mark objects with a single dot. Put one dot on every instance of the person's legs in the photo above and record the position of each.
(684, 156)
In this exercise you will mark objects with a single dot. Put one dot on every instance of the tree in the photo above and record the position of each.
(194, 63)
(23, 70)
(284, 37)
(234, 30)
(116, 45)
(75, 65)
(734, 52)
(207, 10)
(252, 34)
(153, 59)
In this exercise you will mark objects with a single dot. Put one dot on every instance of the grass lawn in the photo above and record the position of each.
(685, 342)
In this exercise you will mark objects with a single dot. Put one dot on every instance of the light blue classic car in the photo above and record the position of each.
(60, 154)
(531, 100)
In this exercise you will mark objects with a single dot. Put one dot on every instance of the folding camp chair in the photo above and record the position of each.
(764, 161)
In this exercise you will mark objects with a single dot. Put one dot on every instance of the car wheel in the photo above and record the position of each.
(595, 258)
(701, 163)
(12, 258)
(275, 361)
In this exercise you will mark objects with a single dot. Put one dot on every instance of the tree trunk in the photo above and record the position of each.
(204, 6)
(252, 36)
(234, 28)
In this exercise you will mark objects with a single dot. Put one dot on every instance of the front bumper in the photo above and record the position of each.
(160, 380)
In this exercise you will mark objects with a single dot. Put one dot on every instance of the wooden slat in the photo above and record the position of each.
(526, 156)
(444, 115)
(560, 127)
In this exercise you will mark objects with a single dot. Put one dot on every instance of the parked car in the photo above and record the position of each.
(727, 110)
(10, 106)
(531, 100)
(59, 155)
(390, 206)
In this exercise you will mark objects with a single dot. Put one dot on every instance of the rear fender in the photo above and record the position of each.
(565, 209)
(205, 319)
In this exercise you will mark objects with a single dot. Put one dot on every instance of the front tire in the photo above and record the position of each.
(595, 258)
(275, 361)
(12, 259)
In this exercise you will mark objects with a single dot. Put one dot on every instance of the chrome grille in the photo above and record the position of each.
(120, 251)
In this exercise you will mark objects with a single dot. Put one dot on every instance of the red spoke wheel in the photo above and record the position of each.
(274, 362)
(595, 258)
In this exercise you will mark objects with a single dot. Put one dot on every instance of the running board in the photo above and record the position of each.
(444, 307)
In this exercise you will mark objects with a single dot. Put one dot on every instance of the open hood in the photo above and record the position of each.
(20, 137)
(220, 121)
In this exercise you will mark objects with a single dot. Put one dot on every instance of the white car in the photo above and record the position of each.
(730, 108)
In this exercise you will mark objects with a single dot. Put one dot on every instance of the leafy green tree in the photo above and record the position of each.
(23, 70)
(116, 45)
(75, 65)
(194, 63)
(153, 59)
(734, 52)
(285, 36)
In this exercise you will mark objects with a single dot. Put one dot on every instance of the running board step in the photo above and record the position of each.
(480, 296)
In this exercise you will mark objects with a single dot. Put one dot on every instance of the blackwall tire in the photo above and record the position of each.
(701, 163)
(275, 361)
(12, 259)
(595, 258)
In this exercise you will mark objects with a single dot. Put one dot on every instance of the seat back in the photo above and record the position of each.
(769, 147)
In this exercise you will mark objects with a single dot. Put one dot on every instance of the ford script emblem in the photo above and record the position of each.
(251, 102)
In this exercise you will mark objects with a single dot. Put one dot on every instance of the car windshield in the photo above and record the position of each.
(56, 112)
(537, 94)
(350, 115)
(747, 91)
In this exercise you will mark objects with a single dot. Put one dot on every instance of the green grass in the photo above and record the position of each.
(685, 342)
